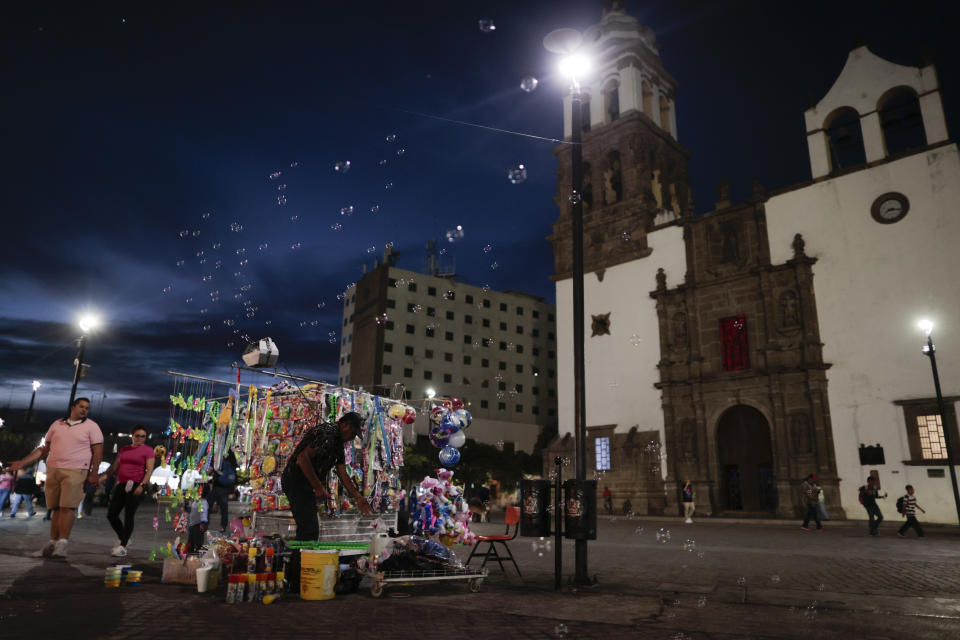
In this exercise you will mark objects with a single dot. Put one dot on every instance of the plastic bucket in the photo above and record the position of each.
(318, 574)
(203, 579)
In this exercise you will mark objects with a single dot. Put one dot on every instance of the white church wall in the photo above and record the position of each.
(619, 374)
(872, 283)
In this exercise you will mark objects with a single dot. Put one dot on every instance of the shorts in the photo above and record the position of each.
(64, 488)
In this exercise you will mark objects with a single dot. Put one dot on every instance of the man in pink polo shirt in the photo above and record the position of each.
(73, 448)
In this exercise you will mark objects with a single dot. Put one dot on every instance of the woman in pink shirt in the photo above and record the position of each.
(133, 466)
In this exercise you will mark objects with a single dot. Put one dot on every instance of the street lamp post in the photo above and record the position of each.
(87, 323)
(930, 351)
(36, 385)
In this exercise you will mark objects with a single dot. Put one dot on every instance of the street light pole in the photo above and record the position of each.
(36, 385)
(579, 375)
(77, 368)
(930, 351)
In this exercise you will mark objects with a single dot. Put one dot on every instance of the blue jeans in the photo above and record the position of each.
(873, 511)
(3, 497)
(823, 511)
(17, 499)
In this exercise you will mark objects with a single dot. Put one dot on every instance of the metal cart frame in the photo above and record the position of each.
(382, 578)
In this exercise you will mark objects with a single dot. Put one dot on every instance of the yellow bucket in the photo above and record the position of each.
(318, 574)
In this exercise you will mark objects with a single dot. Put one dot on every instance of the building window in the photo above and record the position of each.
(467, 360)
(502, 386)
(518, 408)
(428, 375)
(389, 325)
(501, 406)
(552, 412)
(428, 353)
(348, 357)
(486, 322)
(536, 351)
(465, 382)
(350, 338)
(551, 355)
(550, 335)
(845, 139)
(468, 319)
(519, 348)
(429, 332)
(388, 347)
(343, 360)
(410, 328)
(392, 282)
(602, 448)
(519, 330)
(519, 368)
(550, 317)
(344, 322)
(503, 346)
(484, 404)
(386, 369)
(503, 366)
(503, 326)
(391, 304)
(551, 392)
(536, 391)
(411, 307)
(448, 335)
(930, 431)
(447, 377)
(503, 306)
(469, 299)
(448, 357)
(431, 291)
(449, 315)
(485, 363)
(535, 410)
(733, 336)
(408, 373)
(486, 304)
(467, 340)
(519, 311)
(412, 286)
(408, 350)
(551, 373)
(535, 313)
(535, 333)
(485, 384)
(925, 429)
(431, 312)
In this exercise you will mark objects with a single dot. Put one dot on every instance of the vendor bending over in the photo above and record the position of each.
(303, 479)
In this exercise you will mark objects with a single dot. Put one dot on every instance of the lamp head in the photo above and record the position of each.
(88, 322)
(431, 392)
(574, 66)
(926, 326)
(36, 384)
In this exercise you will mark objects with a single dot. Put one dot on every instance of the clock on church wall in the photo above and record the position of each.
(890, 207)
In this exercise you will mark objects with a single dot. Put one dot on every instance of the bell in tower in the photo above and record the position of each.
(634, 170)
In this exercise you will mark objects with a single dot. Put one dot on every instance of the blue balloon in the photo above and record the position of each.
(450, 424)
(439, 437)
(449, 456)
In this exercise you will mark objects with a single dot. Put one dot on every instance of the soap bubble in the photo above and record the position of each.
(494, 265)
(498, 377)
(517, 174)
(218, 264)
(229, 322)
(167, 289)
(281, 200)
(188, 300)
(663, 535)
(336, 226)
(263, 247)
(332, 337)
(401, 151)
(392, 137)
(206, 215)
(236, 227)
(268, 322)
(700, 555)
(511, 346)
(638, 531)
(575, 197)
(241, 251)
(690, 545)
(342, 166)
(416, 308)
(529, 83)
(382, 319)
(276, 174)
(184, 233)
(382, 163)
(303, 323)
(203, 311)
(340, 296)
(207, 278)
(294, 164)
(207, 327)
(560, 630)
(499, 445)
(196, 233)
(741, 581)
(821, 587)
(635, 339)
(455, 234)
(486, 25)
(388, 245)
(295, 246)
(321, 305)
(449, 294)
(388, 186)
(775, 579)
(375, 208)
(346, 211)
(199, 254)
(218, 244)
(701, 602)
(371, 249)
(625, 237)
(180, 263)
(314, 323)
(294, 218)
(476, 345)
(487, 248)
(244, 262)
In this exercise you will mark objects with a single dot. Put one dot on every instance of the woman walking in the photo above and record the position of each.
(687, 497)
(133, 466)
(23, 490)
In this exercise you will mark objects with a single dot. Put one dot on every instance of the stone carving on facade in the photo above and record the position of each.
(798, 246)
(688, 439)
(801, 439)
(661, 280)
(789, 310)
(600, 324)
(612, 180)
(730, 243)
(678, 326)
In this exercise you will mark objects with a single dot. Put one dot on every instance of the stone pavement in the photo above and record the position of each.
(742, 580)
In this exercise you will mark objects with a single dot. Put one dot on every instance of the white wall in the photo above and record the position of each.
(872, 283)
(619, 375)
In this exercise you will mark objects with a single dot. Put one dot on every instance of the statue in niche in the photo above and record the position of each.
(688, 439)
(801, 440)
(789, 309)
(674, 200)
(679, 328)
(730, 247)
(657, 188)
(612, 182)
(798, 246)
(661, 280)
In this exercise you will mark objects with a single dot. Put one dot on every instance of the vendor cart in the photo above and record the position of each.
(474, 578)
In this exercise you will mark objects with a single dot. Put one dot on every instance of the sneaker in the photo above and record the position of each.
(46, 551)
(901, 535)
(689, 521)
(119, 551)
(805, 528)
(60, 549)
(874, 534)
(819, 528)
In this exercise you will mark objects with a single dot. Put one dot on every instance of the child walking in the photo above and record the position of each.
(910, 507)
(198, 515)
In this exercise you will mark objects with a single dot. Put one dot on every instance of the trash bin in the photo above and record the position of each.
(534, 500)
(580, 509)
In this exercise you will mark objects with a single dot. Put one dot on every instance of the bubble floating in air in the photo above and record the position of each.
(342, 166)
(382, 163)
(346, 211)
(486, 25)
(517, 174)
(294, 164)
(487, 248)
(336, 226)
(184, 233)
(388, 186)
(207, 327)
(401, 151)
(276, 174)
(575, 197)
(218, 244)
(494, 265)
(167, 289)
(635, 339)
(625, 237)
(263, 247)
(180, 263)
(375, 208)
(392, 137)
(281, 200)
(236, 227)
(206, 215)
(529, 83)
(196, 233)
(294, 218)
(455, 234)
(296, 245)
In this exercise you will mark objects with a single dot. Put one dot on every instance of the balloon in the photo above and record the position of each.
(449, 456)
(437, 413)
(456, 404)
(450, 424)
(397, 411)
(464, 417)
(457, 439)
(410, 416)
(438, 437)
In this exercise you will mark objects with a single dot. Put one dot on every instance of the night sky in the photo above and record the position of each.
(126, 125)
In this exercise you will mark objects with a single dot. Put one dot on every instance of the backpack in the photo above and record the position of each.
(228, 474)
(863, 493)
(900, 504)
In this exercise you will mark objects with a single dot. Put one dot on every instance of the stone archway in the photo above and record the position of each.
(745, 461)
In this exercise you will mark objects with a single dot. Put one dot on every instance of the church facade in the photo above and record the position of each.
(764, 340)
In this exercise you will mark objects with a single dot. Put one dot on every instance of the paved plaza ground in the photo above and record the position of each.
(742, 580)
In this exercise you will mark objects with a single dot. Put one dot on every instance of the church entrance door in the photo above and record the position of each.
(746, 461)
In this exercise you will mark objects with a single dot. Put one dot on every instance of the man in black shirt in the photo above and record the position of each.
(304, 478)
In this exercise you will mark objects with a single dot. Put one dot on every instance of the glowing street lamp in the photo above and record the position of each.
(88, 322)
(36, 385)
(931, 352)
(431, 393)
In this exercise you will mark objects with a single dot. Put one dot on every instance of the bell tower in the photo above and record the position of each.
(634, 170)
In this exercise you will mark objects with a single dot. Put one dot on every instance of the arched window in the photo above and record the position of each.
(845, 139)
(901, 122)
(611, 101)
(664, 113)
(612, 182)
(647, 94)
